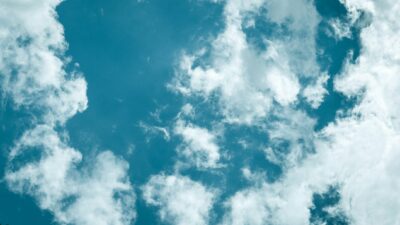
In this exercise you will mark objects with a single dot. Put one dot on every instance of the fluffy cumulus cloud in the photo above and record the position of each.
(280, 203)
(181, 200)
(247, 207)
(366, 143)
(246, 80)
(356, 153)
(33, 76)
(75, 196)
(315, 93)
(198, 146)
(249, 84)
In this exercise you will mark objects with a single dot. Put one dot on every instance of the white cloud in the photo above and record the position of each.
(316, 92)
(151, 131)
(367, 143)
(199, 145)
(247, 208)
(245, 80)
(284, 88)
(187, 110)
(100, 193)
(181, 201)
(302, 20)
(291, 138)
(269, 204)
(358, 152)
(358, 156)
(339, 29)
(251, 83)
(33, 76)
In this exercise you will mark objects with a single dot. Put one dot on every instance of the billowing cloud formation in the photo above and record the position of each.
(356, 153)
(248, 81)
(366, 143)
(33, 76)
(255, 84)
(181, 200)
(78, 196)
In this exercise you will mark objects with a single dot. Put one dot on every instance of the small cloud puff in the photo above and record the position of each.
(199, 145)
(181, 201)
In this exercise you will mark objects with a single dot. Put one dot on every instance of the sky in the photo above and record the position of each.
(199, 112)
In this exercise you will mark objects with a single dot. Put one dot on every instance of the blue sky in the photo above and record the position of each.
(195, 112)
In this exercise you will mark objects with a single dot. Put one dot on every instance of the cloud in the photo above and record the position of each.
(291, 138)
(34, 76)
(198, 146)
(32, 73)
(246, 79)
(151, 131)
(339, 29)
(253, 85)
(247, 208)
(180, 200)
(316, 92)
(365, 145)
(98, 193)
(357, 152)
(279, 203)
